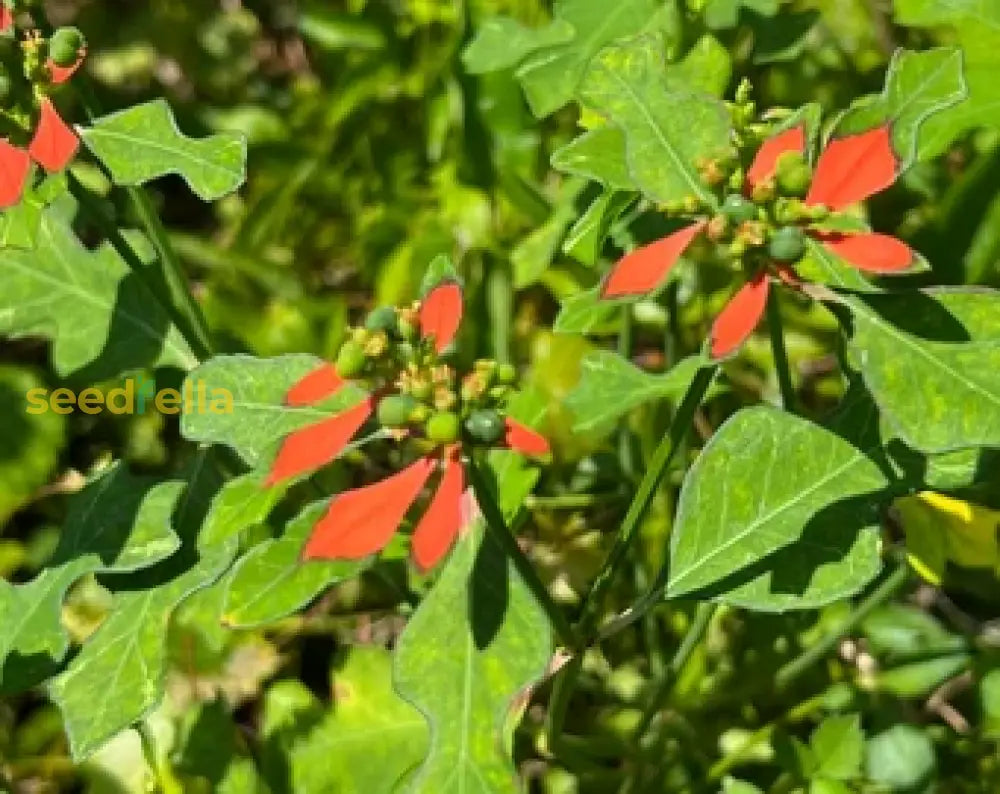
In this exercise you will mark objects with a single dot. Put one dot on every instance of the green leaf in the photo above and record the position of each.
(260, 418)
(917, 85)
(19, 224)
(272, 581)
(783, 37)
(550, 76)
(838, 553)
(102, 318)
(116, 523)
(367, 741)
(585, 238)
(587, 312)
(919, 679)
(118, 676)
(440, 269)
(599, 155)
(759, 482)
(706, 67)
(975, 24)
(839, 746)
(610, 387)
(30, 443)
(989, 703)
(143, 142)
(725, 14)
(666, 131)
(502, 42)
(476, 641)
(931, 360)
(901, 757)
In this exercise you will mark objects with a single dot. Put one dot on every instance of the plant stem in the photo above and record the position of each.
(197, 339)
(562, 689)
(165, 778)
(694, 634)
(501, 533)
(655, 471)
(570, 501)
(777, 331)
(185, 311)
(886, 590)
(500, 295)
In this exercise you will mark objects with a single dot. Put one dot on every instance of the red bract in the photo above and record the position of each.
(850, 169)
(53, 145)
(361, 521)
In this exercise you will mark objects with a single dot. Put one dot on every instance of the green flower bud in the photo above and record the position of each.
(406, 330)
(65, 46)
(793, 174)
(394, 410)
(738, 208)
(736, 179)
(351, 359)
(485, 426)
(443, 427)
(382, 319)
(763, 191)
(420, 414)
(787, 245)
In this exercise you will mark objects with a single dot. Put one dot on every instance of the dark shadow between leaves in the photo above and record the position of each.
(21, 672)
(919, 315)
(136, 335)
(16, 427)
(489, 586)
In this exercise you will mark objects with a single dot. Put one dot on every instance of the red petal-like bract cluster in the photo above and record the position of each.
(849, 170)
(361, 521)
(53, 145)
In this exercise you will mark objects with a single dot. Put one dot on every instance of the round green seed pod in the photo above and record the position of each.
(485, 426)
(351, 359)
(394, 410)
(739, 209)
(443, 427)
(381, 319)
(65, 46)
(793, 174)
(787, 245)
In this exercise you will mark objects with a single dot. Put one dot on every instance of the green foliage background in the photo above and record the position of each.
(373, 147)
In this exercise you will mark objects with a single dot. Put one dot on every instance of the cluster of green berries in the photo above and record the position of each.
(767, 220)
(26, 68)
(422, 397)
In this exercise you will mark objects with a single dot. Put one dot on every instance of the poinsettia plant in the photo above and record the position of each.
(573, 397)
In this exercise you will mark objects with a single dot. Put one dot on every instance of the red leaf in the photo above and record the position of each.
(644, 268)
(318, 444)
(440, 524)
(441, 314)
(872, 253)
(739, 317)
(766, 160)
(6, 18)
(315, 387)
(853, 168)
(60, 74)
(525, 440)
(54, 144)
(14, 167)
(361, 521)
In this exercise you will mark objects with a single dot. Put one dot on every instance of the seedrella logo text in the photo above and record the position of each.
(135, 396)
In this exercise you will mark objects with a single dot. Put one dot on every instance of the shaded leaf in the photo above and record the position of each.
(757, 484)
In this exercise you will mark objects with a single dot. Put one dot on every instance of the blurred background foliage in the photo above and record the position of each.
(371, 150)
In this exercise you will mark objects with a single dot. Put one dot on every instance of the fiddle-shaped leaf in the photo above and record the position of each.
(143, 142)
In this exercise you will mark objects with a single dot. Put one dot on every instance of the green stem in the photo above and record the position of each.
(186, 313)
(655, 471)
(696, 631)
(501, 533)
(166, 779)
(886, 590)
(777, 331)
(570, 501)
(180, 317)
(562, 690)
(500, 294)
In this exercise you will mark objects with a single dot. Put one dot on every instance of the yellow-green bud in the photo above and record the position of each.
(351, 359)
(793, 174)
(443, 427)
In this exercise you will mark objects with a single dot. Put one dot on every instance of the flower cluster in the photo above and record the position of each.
(765, 216)
(31, 128)
(418, 400)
